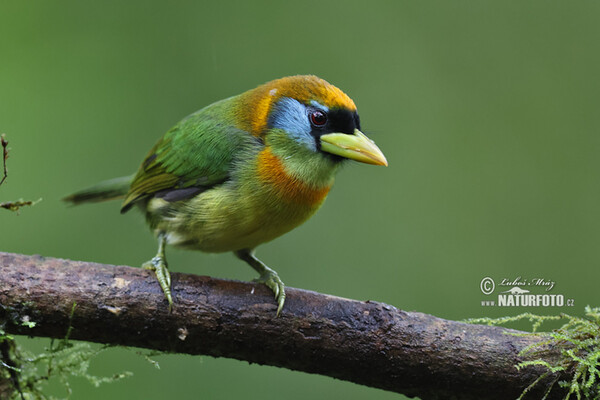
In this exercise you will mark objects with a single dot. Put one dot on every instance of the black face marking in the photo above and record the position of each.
(339, 120)
(357, 120)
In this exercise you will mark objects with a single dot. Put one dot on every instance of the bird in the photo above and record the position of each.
(243, 171)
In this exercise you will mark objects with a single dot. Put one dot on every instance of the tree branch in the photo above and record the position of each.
(368, 343)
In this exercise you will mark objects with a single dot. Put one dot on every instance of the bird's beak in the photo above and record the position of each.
(356, 147)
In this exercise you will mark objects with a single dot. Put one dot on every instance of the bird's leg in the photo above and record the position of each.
(159, 265)
(267, 276)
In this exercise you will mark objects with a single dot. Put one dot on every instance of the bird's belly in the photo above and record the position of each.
(221, 220)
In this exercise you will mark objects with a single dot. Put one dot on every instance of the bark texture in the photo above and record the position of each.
(369, 343)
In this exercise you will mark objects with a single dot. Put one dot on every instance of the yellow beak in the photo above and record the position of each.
(356, 147)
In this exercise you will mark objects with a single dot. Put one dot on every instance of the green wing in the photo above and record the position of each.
(195, 155)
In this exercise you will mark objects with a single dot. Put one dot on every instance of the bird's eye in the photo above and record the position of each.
(318, 118)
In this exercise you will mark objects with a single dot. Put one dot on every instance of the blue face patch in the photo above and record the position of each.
(292, 116)
(319, 106)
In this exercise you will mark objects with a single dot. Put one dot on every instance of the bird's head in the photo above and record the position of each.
(305, 113)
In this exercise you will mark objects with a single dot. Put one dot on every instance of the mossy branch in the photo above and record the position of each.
(368, 343)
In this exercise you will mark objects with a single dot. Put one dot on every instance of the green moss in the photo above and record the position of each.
(28, 374)
(579, 342)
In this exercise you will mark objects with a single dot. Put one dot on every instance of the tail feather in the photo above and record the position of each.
(107, 190)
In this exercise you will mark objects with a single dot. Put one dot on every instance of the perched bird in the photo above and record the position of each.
(243, 171)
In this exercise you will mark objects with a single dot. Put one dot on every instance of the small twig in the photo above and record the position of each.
(4, 143)
(17, 204)
(7, 349)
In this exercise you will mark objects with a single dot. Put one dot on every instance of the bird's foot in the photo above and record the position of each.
(159, 266)
(267, 276)
(273, 282)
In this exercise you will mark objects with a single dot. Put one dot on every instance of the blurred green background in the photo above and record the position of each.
(487, 112)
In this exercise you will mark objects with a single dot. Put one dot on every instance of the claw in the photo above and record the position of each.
(159, 266)
(272, 281)
(267, 276)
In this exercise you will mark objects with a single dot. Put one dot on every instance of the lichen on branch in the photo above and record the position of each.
(579, 342)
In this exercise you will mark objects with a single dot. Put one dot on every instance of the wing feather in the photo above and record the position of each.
(197, 153)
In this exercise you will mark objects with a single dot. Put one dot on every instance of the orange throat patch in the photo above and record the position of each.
(291, 189)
